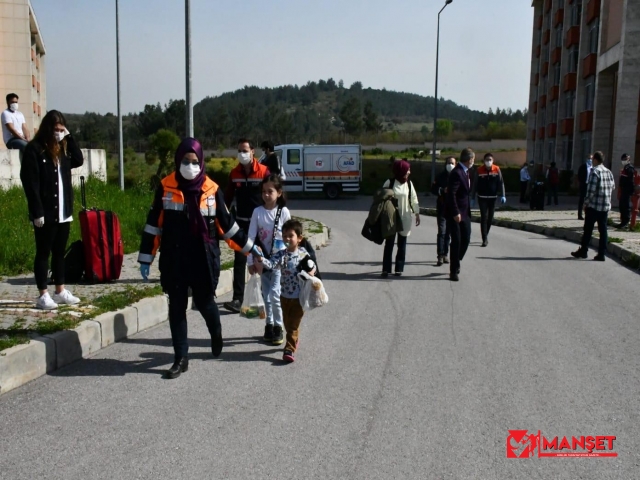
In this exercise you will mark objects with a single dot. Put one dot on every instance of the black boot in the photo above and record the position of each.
(179, 366)
(216, 345)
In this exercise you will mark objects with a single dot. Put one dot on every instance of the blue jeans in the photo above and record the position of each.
(16, 144)
(443, 238)
(271, 296)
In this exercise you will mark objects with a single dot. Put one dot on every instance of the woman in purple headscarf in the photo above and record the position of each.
(408, 207)
(187, 218)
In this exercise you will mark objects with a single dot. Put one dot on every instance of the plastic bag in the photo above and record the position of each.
(312, 293)
(253, 304)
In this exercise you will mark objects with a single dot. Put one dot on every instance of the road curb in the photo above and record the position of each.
(45, 354)
(615, 250)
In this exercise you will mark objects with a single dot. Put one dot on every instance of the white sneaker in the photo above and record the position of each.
(65, 298)
(45, 302)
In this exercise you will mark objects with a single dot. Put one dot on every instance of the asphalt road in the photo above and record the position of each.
(411, 377)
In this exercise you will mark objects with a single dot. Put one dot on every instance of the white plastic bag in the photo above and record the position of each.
(312, 293)
(253, 304)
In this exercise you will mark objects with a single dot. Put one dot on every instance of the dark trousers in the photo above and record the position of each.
(443, 238)
(523, 191)
(592, 217)
(204, 301)
(553, 191)
(625, 209)
(460, 238)
(240, 267)
(292, 314)
(583, 194)
(487, 208)
(51, 239)
(400, 255)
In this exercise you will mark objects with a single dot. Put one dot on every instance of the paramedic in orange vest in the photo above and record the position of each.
(188, 217)
(487, 187)
(245, 188)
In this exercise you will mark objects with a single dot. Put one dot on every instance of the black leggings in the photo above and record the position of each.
(51, 239)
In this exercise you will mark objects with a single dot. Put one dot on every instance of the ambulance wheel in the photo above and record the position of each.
(332, 191)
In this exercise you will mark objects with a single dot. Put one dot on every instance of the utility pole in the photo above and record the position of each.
(189, 102)
(120, 140)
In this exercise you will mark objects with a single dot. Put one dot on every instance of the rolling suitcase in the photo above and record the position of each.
(102, 242)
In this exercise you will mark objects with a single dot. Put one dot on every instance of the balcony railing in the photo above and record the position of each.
(558, 17)
(573, 37)
(593, 10)
(566, 126)
(556, 55)
(570, 82)
(589, 65)
(586, 121)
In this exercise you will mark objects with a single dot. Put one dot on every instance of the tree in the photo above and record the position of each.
(162, 147)
(444, 127)
(175, 116)
(351, 116)
(356, 87)
(340, 84)
(150, 120)
(371, 120)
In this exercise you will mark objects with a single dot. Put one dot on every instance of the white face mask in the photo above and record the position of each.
(244, 158)
(488, 163)
(189, 172)
(59, 136)
(13, 107)
(449, 167)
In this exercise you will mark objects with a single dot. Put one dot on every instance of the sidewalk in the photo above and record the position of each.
(557, 221)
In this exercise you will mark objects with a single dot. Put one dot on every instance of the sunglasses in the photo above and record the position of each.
(186, 161)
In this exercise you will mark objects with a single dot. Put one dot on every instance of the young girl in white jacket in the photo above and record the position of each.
(266, 229)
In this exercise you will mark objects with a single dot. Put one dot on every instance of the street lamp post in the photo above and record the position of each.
(189, 102)
(435, 116)
(121, 146)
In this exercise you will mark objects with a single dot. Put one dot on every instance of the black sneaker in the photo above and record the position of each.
(599, 258)
(485, 242)
(216, 345)
(268, 332)
(579, 253)
(233, 306)
(278, 337)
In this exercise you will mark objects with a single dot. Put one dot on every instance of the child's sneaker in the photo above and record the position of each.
(278, 338)
(45, 302)
(288, 356)
(65, 298)
(268, 332)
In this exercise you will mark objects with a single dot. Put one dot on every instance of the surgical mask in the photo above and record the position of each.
(189, 172)
(59, 136)
(13, 107)
(488, 163)
(449, 167)
(589, 162)
(244, 158)
(625, 162)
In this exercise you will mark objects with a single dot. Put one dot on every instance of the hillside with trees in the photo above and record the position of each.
(318, 112)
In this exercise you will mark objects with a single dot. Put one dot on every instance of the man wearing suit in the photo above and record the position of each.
(459, 210)
(584, 172)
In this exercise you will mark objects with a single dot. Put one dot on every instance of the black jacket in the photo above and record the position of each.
(438, 187)
(457, 196)
(272, 163)
(626, 180)
(39, 177)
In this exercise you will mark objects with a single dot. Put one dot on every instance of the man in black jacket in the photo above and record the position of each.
(458, 210)
(439, 188)
(583, 178)
(270, 159)
(626, 190)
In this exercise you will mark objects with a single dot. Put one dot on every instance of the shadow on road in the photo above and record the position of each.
(527, 258)
(375, 276)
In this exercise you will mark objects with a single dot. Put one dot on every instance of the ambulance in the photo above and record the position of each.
(332, 169)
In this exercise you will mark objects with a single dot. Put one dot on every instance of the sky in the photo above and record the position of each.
(485, 48)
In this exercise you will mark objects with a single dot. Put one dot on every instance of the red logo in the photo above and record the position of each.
(522, 444)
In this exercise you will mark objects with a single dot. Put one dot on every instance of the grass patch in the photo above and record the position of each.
(228, 265)
(635, 228)
(120, 299)
(8, 341)
(616, 240)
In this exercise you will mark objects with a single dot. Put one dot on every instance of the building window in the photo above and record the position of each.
(585, 145)
(294, 157)
(554, 112)
(593, 38)
(574, 59)
(567, 153)
(545, 85)
(551, 151)
(576, 13)
(556, 74)
(569, 104)
(543, 117)
(559, 36)
(589, 92)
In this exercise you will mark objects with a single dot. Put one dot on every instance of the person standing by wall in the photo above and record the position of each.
(14, 128)
(597, 204)
(525, 178)
(439, 188)
(487, 187)
(553, 180)
(584, 172)
(244, 187)
(458, 211)
(187, 218)
(409, 208)
(627, 176)
(46, 178)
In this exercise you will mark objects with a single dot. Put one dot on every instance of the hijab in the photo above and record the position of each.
(400, 169)
(192, 189)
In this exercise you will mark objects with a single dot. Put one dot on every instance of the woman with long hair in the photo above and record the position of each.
(46, 178)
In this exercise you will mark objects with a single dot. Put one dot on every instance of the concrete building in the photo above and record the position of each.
(585, 82)
(22, 60)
